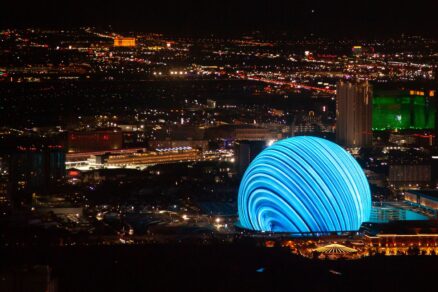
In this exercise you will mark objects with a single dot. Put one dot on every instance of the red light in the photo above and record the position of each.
(424, 136)
(73, 173)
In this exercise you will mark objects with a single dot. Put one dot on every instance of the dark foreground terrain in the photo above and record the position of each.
(205, 268)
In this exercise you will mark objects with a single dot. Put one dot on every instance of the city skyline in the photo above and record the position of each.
(322, 18)
(218, 146)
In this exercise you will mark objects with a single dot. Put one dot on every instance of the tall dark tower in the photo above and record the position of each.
(435, 103)
(435, 98)
(353, 113)
(246, 152)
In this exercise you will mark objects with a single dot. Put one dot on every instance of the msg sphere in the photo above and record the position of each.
(304, 185)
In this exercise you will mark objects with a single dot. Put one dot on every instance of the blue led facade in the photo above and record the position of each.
(304, 185)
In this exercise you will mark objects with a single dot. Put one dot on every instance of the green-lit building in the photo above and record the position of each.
(403, 110)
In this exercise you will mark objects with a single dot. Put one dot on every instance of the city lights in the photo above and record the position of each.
(212, 146)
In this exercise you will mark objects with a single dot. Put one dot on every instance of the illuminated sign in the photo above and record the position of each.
(124, 42)
(403, 112)
(302, 185)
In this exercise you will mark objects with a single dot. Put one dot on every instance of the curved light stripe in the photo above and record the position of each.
(304, 184)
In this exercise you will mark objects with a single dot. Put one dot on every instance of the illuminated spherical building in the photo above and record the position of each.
(304, 185)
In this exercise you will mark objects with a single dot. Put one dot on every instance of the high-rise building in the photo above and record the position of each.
(403, 110)
(246, 151)
(29, 165)
(354, 108)
(435, 102)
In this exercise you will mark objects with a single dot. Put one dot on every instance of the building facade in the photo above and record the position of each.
(31, 169)
(124, 42)
(97, 140)
(354, 114)
(246, 151)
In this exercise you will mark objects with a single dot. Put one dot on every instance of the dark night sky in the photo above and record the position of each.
(337, 17)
